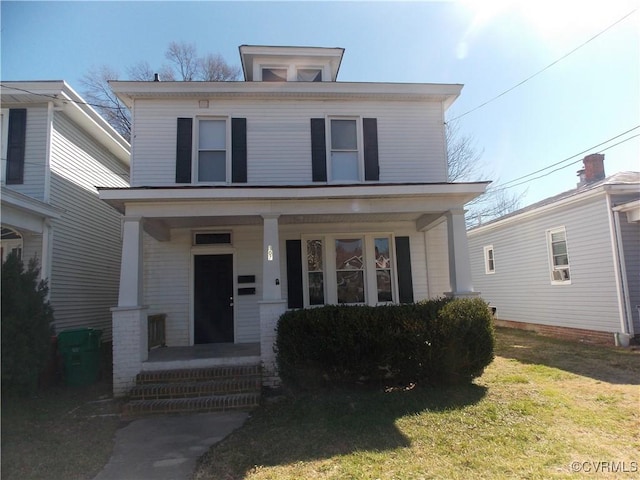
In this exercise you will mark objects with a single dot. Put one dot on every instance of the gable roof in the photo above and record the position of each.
(622, 182)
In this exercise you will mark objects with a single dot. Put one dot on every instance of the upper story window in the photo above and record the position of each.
(344, 149)
(558, 256)
(274, 74)
(345, 158)
(309, 75)
(489, 260)
(212, 150)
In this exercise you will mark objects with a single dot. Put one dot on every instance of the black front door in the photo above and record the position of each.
(213, 299)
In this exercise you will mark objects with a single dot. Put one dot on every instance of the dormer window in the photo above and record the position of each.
(309, 75)
(274, 74)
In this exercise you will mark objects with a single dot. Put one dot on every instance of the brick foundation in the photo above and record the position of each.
(574, 334)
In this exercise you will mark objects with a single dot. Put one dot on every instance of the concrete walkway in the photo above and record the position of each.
(167, 447)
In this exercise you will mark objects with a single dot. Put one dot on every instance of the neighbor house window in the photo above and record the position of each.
(558, 255)
(315, 272)
(344, 150)
(212, 150)
(489, 260)
(350, 270)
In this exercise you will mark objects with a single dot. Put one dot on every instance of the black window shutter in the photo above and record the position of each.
(403, 263)
(294, 274)
(370, 134)
(183, 150)
(16, 137)
(239, 150)
(318, 150)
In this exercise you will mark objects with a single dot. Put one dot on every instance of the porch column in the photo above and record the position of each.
(272, 304)
(129, 318)
(459, 263)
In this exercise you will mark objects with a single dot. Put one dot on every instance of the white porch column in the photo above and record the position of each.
(272, 304)
(129, 318)
(459, 263)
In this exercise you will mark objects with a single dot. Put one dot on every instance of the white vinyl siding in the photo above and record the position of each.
(410, 138)
(86, 243)
(521, 289)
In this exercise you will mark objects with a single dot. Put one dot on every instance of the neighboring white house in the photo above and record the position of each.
(567, 266)
(55, 151)
(286, 190)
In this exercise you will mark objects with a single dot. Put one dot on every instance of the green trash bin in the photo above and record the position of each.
(80, 351)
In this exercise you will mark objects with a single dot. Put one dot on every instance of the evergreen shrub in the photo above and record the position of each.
(26, 324)
(437, 341)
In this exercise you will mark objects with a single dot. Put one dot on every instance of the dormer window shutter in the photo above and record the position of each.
(370, 135)
(183, 150)
(318, 150)
(239, 150)
(16, 137)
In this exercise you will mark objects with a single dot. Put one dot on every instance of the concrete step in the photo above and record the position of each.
(222, 386)
(211, 403)
(198, 374)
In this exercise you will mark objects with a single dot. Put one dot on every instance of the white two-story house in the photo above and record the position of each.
(286, 190)
(56, 150)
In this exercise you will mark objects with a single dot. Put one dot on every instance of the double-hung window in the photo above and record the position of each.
(489, 260)
(558, 256)
(345, 159)
(315, 271)
(350, 270)
(212, 150)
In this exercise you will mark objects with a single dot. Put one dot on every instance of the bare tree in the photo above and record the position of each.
(213, 68)
(99, 95)
(464, 162)
(184, 65)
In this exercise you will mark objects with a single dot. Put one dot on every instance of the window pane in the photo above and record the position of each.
(349, 254)
(309, 75)
(384, 285)
(344, 166)
(350, 286)
(559, 248)
(314, 255)
(274, 75)
(212, 166)
(560, 260)
(212, 135)
(382, 253)
(316, 288)
(558, 237)
(343, 135)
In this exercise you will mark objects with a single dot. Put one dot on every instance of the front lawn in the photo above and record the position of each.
(543, 409)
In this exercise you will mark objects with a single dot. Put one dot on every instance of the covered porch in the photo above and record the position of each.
(274, 214)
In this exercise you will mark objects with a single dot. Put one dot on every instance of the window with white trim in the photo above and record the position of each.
(274, 74)
(348, 269)
(558, 256)
(345, 157)
(489, 260)
(212, 150)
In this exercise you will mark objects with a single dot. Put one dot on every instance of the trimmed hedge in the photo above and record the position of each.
(438, 341)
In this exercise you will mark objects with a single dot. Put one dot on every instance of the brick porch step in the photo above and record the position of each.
(195, 390)
(213, 403)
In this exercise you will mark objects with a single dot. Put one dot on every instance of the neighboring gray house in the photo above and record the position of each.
(567, 266)
(286, 190)
(55, 151)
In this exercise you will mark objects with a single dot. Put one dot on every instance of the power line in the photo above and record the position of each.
(545, 68)
(502, 187)
(570, 158)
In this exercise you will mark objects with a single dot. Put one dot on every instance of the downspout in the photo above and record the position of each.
(622, 289)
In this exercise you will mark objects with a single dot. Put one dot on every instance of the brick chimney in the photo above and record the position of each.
(593, 170)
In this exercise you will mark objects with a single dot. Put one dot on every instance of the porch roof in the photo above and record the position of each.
(164, 208)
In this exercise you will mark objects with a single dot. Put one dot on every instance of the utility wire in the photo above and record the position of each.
(569, 158)
(502, 187)
(545, 68)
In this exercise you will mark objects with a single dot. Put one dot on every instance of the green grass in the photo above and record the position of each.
(542, 404)
(63, 433)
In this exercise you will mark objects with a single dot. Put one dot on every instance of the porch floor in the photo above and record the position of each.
(206, 355)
